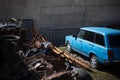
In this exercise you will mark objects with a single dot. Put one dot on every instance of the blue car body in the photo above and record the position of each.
(104, 43)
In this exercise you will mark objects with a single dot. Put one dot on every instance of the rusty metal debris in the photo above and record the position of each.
(42, 61)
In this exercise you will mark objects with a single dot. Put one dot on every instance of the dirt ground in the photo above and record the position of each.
(111, 72)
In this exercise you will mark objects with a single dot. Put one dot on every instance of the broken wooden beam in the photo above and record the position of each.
(61, 53)
(56, 75)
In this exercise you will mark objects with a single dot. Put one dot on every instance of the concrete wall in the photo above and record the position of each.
(51, 17)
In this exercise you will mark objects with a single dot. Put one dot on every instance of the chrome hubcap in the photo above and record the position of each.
(68, 47)
(93, 62)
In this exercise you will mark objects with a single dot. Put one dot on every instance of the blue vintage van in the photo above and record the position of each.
(99, 44)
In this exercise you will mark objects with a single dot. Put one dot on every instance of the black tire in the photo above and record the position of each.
(94, 62)
(69, 47)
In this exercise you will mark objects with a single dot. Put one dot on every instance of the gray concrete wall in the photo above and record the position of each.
(53, 15)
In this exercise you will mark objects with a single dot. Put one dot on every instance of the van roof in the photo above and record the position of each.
(102, 30)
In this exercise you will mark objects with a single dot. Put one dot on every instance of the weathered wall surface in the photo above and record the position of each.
(51, 17)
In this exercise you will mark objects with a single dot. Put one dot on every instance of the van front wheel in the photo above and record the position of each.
(94, 62)
(69, 47)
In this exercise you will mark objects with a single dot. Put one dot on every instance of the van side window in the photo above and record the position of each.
(99, 39)
(81, 34)
(89, 36)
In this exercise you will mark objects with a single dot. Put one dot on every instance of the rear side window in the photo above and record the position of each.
(99, 39)
(114, 41)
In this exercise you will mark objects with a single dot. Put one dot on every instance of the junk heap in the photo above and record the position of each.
(38, 60)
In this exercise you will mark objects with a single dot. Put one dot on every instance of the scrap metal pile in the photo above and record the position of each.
(40, 61)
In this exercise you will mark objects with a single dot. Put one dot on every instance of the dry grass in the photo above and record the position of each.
(101, 75)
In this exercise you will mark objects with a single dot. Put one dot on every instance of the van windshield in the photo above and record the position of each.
(114, 41)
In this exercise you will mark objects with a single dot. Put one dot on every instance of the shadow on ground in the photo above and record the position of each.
(113, 69)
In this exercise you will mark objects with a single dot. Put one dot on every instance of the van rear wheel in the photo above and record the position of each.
(94, 62)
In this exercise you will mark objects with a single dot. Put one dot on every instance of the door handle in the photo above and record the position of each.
(80, 40)
(90, 44)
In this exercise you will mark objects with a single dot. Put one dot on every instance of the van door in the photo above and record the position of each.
(78, 42)
(100, 48)
(88, 42)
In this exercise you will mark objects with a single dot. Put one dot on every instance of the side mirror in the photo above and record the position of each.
(75, 36)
